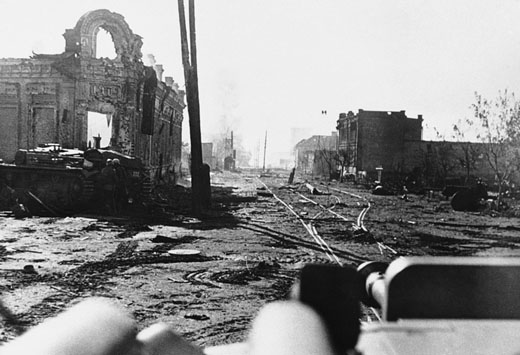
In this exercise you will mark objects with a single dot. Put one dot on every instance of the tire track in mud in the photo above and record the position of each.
(242, 276)
(233, 328)
(228, 331)
(89, 277)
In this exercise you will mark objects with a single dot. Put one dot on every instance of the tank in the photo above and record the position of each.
(57, 181)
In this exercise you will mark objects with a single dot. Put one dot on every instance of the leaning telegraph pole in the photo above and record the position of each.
(200, 184)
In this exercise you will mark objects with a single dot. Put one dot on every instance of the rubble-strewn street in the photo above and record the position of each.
(209, 276)
(281, 177)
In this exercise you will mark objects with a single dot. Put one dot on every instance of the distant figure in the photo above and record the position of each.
(291, 176)
(120, 188)
(405, 193)
(108, 183)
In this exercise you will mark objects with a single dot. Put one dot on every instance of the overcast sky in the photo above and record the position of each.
(276, 64)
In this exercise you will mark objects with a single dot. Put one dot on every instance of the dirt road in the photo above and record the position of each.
(208, 276)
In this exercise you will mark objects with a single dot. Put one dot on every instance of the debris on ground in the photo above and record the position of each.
(262, 191)
(195, 316)
(381, 191)
(209, 274)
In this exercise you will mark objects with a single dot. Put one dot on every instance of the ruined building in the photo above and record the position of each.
(317, 154)
(377, 138)
(49, 97)
(391, 142)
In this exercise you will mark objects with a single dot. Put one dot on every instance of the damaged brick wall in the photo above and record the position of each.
(378, 138)
(437, 161)
(46, 98)
(393, 141)
(382, 138)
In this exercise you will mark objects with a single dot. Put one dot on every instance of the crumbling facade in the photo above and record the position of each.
(46, 98)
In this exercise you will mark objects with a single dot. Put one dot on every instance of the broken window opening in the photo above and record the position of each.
(105, 47)
(99, 125)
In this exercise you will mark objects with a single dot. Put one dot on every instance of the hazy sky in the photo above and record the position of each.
(275, 64)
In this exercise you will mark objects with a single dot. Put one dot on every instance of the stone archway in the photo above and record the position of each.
(103, 81)
(82, 38)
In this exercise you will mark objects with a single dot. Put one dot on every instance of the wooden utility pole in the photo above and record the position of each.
(265, 148)
(200, 183)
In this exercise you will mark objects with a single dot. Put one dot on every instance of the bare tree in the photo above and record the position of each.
(469, 154)
(303, 161)
(345, 158)
(499, 128)
(444, 162)
(326, 159)
(436, 164)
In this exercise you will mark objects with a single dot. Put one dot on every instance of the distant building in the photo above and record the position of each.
(317, 154)
(377, 138)
(286, 163)
(297, 134)
(207, 155)
(230, 154)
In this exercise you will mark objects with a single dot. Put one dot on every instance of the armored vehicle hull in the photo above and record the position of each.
(56, 181)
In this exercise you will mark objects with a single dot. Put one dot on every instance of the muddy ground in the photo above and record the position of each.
(224, 266)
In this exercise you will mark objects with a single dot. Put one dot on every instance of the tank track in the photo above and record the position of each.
(49, 191)
(146, 190)
(87, 192)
